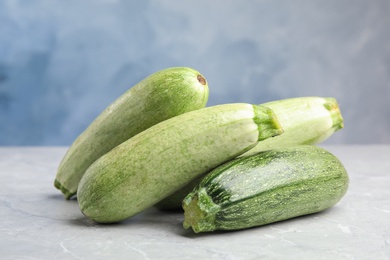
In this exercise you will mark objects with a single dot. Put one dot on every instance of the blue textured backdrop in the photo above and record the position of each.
(63, 62)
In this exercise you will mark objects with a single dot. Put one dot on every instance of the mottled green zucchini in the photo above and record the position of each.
(162, 95)
(305, 120)
(162, 159)
(267, 187)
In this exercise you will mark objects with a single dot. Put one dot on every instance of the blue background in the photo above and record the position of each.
(63, 62)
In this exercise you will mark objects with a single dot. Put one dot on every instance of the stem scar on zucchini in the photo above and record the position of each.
(201, 80)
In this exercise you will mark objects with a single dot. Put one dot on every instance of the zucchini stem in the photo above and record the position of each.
(200, 212)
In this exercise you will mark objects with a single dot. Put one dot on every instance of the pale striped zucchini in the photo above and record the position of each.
(267, 187)
(162, 95)
(305, 120)
(162, 159)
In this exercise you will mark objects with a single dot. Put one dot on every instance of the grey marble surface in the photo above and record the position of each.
(37, 223)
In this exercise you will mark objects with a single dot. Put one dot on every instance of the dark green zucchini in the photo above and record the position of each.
(266, 187)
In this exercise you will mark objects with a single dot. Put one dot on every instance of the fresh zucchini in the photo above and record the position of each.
(160, 160)
(267, 187)
(305, 120)
(162, 95)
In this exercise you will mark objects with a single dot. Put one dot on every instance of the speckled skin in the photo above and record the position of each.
(160, 160)
(305, 120)
(266, 187)
(162, 95)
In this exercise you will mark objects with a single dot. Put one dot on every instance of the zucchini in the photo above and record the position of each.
(162, 95)
(160, 160)
(267, 187)
(305, 120)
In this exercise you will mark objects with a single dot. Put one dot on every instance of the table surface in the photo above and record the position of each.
(38, 223)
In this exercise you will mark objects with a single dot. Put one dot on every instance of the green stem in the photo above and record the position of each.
(200, 212)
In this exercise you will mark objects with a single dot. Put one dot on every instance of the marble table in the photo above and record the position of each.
(38, 223)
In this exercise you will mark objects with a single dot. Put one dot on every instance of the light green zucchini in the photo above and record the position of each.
(162, 159)
(162, 95)
(267, 187)
(305, 120)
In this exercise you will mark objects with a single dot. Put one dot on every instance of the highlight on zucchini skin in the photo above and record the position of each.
(160, 96)
(264, 188)
(160, 160)
(305, 120)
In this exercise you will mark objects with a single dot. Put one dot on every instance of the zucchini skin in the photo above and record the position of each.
(160, 160)
(267, 187)
(160, 96)
(305, 120)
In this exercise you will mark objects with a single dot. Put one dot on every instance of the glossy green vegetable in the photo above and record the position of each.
(162, 159)
(267, 187)
(162, 95)
(305, 120)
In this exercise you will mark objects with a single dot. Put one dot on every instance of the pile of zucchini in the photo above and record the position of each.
(229, 166)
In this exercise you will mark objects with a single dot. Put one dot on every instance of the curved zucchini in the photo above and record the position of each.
(160, 160)
(305, 120)
(162, 95)
(267, 187)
